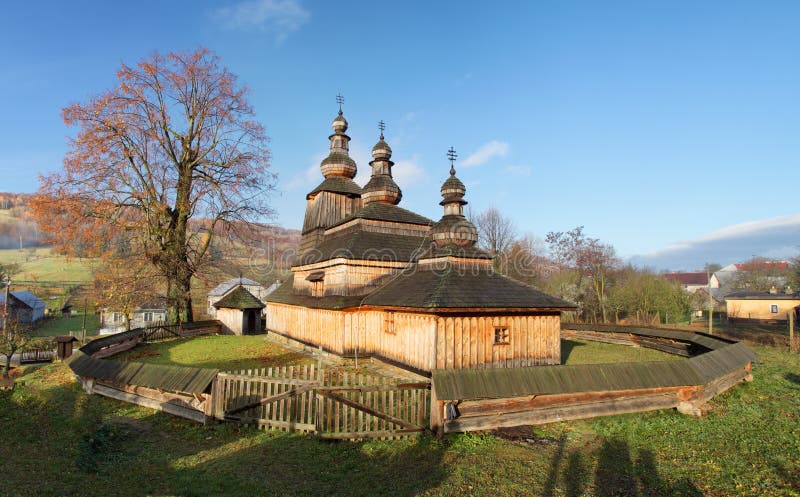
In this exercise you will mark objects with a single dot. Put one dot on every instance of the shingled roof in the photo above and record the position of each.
(462, 288)
(337, 184)
(284, 295)
(239, 298)
(365, 245)
(387, 212)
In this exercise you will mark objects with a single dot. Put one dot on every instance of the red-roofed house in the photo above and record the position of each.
(691, 282)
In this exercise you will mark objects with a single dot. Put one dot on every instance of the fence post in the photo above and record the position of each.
(794, 346)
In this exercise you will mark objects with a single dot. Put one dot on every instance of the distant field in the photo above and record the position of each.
(40, 264)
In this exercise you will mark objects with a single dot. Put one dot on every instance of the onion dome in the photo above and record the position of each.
(338, 163)
(454, 228)
(381, 187)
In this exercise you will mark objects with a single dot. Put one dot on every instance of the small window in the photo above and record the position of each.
(773, 309)
(501, 336)
(148, 317)
(317, 288)
(388, 323)
(116, 317)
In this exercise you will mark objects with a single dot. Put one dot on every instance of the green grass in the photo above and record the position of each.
(585, 352)
(40, 264)
(223, 352)
(63, 326)
(65, 442)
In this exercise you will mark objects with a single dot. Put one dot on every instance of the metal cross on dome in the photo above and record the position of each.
(381, 126)
(340, 101)
(451, 154)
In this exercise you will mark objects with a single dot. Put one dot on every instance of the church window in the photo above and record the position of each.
(501, 335)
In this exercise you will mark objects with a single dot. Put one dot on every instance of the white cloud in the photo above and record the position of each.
(486, 152)
(309, 177)
(279, 17)
(775, 237)
(408, 172)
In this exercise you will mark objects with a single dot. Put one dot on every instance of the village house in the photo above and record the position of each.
(257, 289)
(23, 306)
(115, 321)
(772, 306)
(374, 279)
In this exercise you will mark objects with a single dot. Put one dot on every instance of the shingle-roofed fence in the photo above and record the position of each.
(480, 399)
(302, 399)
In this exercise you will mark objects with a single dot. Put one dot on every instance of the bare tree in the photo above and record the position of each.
(174, 141)
(496, 234)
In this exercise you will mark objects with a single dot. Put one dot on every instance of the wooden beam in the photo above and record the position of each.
(366, 409)
(270, 400)
(176, 410)
(562, 413)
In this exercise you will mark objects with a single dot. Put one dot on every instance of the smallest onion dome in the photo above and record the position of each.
(381, 150)
(453, 228)
(339, 123)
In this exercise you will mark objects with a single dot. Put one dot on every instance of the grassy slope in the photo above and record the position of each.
(41, 265)
(749, 445)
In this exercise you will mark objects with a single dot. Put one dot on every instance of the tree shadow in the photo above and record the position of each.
(566, 348)
(794, 378)
(301, 465)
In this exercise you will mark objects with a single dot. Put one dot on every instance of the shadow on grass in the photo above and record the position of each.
(66, 442)
(286, 465)
(616, 474)
(566, 349)
(794, 378)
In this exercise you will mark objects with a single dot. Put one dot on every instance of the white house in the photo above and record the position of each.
(255, 288)
(114, 321)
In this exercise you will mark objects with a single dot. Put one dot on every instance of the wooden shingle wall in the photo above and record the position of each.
(469, 341)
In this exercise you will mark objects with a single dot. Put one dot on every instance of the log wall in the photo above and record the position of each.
(469, 341)
(423, 341)
(313, 326)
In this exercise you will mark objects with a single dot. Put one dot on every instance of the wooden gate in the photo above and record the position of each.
(355, 406)
(277, 398)
(335, 405)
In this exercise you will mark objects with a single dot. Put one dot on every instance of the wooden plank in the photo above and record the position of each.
(270, 400)
(562, 413)
(370, 434)
(507, 405)
(270, 379)
(367, 409)
(175, 410)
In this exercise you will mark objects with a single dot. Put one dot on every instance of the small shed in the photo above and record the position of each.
(64, 343)
(240, 312)
(23, 306)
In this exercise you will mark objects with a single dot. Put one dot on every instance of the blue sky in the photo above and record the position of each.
(668, 129)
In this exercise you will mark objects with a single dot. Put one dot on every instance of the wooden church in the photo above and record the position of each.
(374, 279)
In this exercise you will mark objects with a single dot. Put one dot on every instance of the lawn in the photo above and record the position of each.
(575, 351)
(67, 443)
(223, 352)
(65, 326)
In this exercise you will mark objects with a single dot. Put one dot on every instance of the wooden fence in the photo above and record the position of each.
(335, 405)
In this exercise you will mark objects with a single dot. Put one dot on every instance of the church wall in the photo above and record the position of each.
(424, 341)
(327, 209)
(401, 337)
(353, 278)
(469, 341)
(312, 326)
